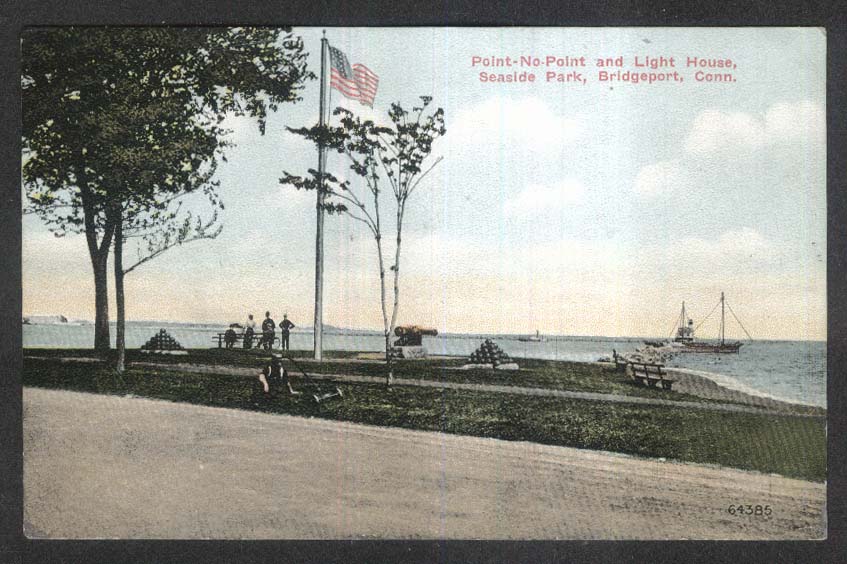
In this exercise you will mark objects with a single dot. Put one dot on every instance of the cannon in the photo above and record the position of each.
(410, 343)
(412, 335)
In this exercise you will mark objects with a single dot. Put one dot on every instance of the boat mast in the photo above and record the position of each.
(723, 314)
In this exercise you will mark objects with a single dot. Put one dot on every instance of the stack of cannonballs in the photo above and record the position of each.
(489, 355)
(163, 343)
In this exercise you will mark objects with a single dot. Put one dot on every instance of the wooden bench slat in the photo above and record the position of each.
(649, 374)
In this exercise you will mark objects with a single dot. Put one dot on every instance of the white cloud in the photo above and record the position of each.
(660, 178)
(537, 198)
(734, 244)
(243, 129)
(588, 260)
(804, 120)
(44, 252)
(715, 130)
(364, 112)
(436, 253)
(527, 123)
(593, 261)
(563, 258)
(698, 262)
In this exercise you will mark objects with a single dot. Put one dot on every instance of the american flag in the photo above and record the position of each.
(356, 82)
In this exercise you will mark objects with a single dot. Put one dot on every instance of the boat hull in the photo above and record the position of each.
(726, 348)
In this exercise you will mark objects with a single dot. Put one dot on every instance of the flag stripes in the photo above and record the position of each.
(356, 82)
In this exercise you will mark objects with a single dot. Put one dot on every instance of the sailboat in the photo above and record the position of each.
(685, 335)
(684, 340)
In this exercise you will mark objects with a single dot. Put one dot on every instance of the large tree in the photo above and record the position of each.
(121, 121)
(160, 155)
(398, 156)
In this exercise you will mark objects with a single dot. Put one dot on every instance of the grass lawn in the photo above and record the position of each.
(551, 374)
(787, 445)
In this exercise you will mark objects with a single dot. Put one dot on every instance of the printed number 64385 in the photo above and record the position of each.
(749, 509)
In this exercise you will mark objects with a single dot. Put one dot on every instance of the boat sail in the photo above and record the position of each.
(684, 340)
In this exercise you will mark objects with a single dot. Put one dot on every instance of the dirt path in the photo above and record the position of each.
(105, 466)
(771, 408)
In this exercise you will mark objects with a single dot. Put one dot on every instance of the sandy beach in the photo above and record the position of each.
(113, 467)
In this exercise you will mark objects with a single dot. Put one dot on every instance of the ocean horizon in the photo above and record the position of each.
(223, 325)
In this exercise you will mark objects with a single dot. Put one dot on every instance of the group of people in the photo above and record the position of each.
(267, 335)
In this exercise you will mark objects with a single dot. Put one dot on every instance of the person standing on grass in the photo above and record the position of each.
(268, 328)
(249, 331)
(285, 327)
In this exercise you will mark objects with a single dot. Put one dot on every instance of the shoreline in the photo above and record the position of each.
(708, 385)
(714, 385)
(705, 385)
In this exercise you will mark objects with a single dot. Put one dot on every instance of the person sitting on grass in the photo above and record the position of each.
(273, 376)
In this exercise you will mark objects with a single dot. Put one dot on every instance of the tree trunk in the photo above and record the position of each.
(386, 327)
(389, 378)
(99, 254)
(396, 268)
(120, 330)
(101, 302)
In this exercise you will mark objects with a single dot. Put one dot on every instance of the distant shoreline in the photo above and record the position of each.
(330, 329)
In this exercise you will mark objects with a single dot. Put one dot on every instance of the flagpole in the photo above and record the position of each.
(319, 238)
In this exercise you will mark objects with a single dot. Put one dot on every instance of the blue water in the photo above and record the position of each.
(789, 370)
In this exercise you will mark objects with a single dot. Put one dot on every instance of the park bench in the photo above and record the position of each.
(650, 374)
(239, 339)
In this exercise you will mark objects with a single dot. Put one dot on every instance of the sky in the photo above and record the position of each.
(568, 208)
